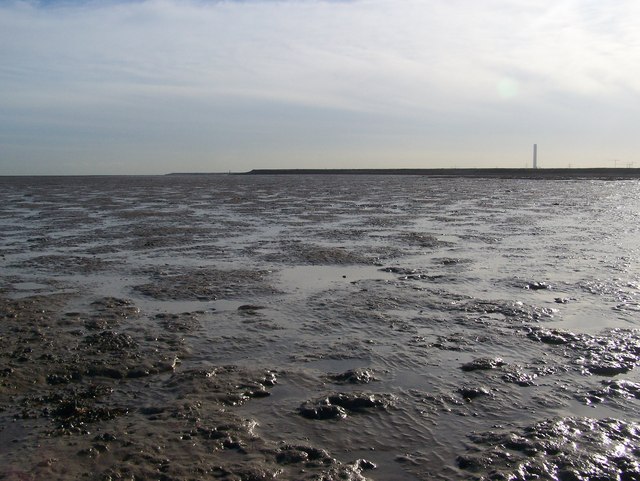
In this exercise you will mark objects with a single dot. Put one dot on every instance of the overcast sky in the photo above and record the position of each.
(157, 86)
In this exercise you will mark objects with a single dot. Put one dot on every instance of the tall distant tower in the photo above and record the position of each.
(535, 156)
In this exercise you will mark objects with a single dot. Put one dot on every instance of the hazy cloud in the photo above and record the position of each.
(234, 85)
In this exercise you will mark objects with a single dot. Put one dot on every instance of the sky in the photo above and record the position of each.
(159, 86)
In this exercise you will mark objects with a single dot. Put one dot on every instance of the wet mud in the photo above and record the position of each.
(319, 328)
(564, 449)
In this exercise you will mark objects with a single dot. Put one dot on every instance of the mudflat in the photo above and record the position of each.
(319, 327)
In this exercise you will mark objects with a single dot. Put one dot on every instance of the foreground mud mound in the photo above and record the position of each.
(79, 400)
(562, 449)
(616, 351)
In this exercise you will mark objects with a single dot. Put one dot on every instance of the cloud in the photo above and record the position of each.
(420, 72)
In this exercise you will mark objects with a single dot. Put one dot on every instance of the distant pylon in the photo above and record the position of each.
(535, 156)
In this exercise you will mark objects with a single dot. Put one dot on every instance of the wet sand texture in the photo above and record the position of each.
(319, 327)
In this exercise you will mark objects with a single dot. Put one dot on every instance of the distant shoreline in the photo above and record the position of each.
(594, 173)
(603, 173)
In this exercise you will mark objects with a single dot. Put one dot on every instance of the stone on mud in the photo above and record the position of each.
(321, 411)
(353, 376)
(552, 336)
(293, 454)
(483, 364)
(471, 392)
(339, 405)
(360, 402)
(519, 377)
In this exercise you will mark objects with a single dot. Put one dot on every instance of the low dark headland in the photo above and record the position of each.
(594, 173)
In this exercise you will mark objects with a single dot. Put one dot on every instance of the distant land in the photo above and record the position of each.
(592, 173)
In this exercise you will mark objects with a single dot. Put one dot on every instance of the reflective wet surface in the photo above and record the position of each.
(319, 327)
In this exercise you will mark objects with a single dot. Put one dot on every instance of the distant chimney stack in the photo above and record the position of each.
(535, 156)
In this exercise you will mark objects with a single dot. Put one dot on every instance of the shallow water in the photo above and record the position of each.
(411, 278)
